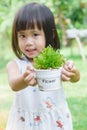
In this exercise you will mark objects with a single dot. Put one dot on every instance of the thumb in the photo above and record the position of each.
(70, 64)
(30, 67)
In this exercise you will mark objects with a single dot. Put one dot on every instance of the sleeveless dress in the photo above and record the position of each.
(33, 109)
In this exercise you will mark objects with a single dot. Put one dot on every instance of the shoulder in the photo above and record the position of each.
(11, 64)
(17, 64)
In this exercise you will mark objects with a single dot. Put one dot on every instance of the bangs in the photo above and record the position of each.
(28, 18)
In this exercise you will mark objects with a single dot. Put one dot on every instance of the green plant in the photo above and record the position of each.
(49, 58)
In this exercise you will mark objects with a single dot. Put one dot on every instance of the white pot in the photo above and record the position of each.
(48, 79)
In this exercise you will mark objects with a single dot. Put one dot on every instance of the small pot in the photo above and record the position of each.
(49, 79)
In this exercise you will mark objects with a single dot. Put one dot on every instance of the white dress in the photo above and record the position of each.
(33, 109)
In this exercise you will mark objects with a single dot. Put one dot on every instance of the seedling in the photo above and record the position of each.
(49, 58)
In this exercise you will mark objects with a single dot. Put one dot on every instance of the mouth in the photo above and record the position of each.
(31, 51)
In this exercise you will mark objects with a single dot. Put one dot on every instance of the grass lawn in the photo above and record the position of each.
(76, 93)
(6, 98)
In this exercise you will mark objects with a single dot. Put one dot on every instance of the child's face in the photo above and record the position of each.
(31, 42)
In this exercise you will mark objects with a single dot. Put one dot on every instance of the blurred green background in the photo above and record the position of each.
(66, 13)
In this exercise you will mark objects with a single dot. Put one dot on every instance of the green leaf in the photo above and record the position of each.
(49, 58)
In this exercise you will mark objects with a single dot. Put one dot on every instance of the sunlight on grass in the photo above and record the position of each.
(3, 120)
(77, 99)
(6, 98)
(3, 78)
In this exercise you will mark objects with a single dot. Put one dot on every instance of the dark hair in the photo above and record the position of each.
(26, 18)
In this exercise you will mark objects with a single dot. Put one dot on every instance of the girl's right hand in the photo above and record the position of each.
(29, 76)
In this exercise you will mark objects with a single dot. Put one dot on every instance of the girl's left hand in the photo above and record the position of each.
(70, 72)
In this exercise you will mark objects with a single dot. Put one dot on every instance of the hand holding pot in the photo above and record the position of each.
(29, 75)
(70, 72)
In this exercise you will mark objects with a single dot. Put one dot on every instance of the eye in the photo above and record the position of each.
(35, 34)
(22, 36)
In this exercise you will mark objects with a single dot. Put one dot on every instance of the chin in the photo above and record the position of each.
(31, 57)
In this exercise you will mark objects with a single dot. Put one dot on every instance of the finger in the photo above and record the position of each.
(69, 64)
(32, 82)
(29, 78)
(26, 73)
(65, 78)
(67, 73)
(30, 67)
(74, 69)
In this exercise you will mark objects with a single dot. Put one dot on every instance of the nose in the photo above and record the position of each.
(29, 41)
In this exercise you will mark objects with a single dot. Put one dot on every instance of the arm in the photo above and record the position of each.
(19, 81)
(70, 72)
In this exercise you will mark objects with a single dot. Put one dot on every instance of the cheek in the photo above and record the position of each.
(42, 46)
(21, 46)
(43, 43)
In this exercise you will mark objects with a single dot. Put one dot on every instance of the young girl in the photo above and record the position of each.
(33, 30)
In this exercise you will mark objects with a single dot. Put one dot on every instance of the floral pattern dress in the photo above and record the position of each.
(33, 109)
